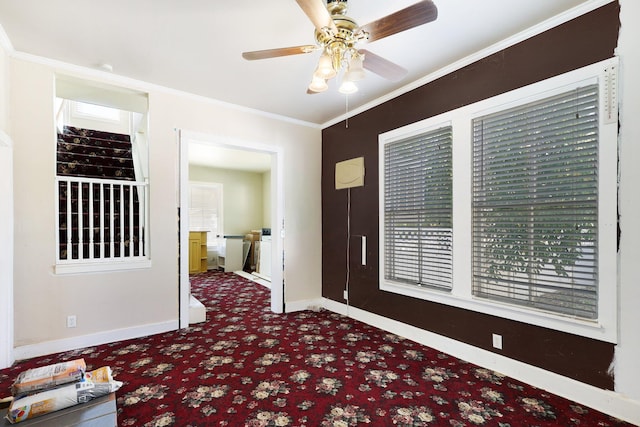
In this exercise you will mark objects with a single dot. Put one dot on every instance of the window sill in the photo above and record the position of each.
(590, 329)
(101, 267)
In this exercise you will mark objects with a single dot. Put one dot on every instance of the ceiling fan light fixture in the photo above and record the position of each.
(325, 68)
(347, 87)
(355, 72)
(318, 84)
(338, 36)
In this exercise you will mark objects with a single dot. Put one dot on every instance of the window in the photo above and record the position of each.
(417, 209)
(102, 182)
(535, 204)
(518, 218)
(205, 211)
(94, 111)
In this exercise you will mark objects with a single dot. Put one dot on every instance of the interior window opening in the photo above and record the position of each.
(101, 182)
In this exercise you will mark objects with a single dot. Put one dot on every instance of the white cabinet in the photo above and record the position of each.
(264, 266)
(230, 258)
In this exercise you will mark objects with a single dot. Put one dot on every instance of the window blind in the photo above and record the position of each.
(418, 209)
(205, 210)
(535, 207)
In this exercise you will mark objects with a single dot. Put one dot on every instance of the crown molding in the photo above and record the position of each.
(78, 71)
(5, 42)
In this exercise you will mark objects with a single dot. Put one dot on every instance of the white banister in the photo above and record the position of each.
(112, 223)
(131, 212)
(101, 228)
(69, 222)
(121, 219)
(102, 248)
(80, 222)
(91, 224)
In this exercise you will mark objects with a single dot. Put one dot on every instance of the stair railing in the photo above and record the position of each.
(101, 220)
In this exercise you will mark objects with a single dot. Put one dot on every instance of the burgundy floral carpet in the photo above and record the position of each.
(246, 366)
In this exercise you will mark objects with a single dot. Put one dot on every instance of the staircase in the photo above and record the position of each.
(94, 154)
(99, 207)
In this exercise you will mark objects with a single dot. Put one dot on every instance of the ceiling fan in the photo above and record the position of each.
(337, 36)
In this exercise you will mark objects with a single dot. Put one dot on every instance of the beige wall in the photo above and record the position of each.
(242, 196)
(43, 299)
(113, 305)
(301, 148)
(4, 89)
(266, 200)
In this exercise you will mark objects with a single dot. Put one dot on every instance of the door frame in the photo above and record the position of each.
(185, 137)
(6, 252)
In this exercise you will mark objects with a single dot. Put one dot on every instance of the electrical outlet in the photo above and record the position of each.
(497, 341)
(71, 321)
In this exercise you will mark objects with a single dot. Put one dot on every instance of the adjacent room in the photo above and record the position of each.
(320, 212)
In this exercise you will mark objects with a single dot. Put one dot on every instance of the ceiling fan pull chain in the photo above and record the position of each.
(346, 111)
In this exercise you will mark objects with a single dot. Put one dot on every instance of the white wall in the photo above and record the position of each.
(627, 358)
(242, 196)
(148, 297)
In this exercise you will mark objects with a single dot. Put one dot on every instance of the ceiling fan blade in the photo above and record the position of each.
(318, 14)
(283, 51)
(402, 20)
(382, 67)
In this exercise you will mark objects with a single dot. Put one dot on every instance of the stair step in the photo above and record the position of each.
(83, 141)
(94, 154)
(95, 171)
(91, 133)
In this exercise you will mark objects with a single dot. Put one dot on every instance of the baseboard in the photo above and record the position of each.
(606, 401)
(254, 278)
(301, 305)
(67, 344)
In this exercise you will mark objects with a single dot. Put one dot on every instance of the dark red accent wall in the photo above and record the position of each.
(585, 40)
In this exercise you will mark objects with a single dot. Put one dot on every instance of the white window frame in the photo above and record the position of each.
(100, 265)
(418, 132)
(86, 110)
(215, 240)
(605, 326)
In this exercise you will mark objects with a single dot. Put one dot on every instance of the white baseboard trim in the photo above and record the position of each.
(307, 304)
(67, 344)
(254, 278)
(606, 401)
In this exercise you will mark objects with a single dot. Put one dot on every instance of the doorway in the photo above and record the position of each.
(186, 141)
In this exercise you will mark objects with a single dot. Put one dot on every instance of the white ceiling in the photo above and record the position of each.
(196, 45)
